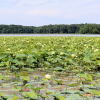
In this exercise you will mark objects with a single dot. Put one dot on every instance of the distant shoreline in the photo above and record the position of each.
(48, 34)
(52, 29)
(86, 35)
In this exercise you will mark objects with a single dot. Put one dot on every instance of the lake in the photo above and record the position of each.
(86, 35)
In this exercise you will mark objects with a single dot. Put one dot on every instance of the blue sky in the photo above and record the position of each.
(45, 12)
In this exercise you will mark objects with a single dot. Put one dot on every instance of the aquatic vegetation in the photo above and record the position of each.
(47, 76)
(49, 67)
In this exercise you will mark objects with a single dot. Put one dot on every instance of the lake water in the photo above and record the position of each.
(86, 35)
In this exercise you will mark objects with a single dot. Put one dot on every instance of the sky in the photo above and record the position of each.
(46, 12)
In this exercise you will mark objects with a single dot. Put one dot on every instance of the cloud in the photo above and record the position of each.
(43, 12)
(31, 2)
(49, 11)
(80, 9)
(8, 3)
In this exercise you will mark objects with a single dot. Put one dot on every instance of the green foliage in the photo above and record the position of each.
(73, 28)
(65, 56)
(23, 74)
(61, 97)
(89, 77)
(1, 77)
(15, 98)
(26, 78)
(60, 82)
(90, 29)
(94, 92)
(58, 53)
(73, 84)
(82, 75)
(30, 95)
(58, 69)
(2, 94)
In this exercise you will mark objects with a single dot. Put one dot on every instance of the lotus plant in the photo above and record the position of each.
(47, 76)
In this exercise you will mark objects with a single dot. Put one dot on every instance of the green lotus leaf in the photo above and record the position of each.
(89, 77)
(15, 98)
(23, 74)
(20, 56)
(37, 88)
(94, 92)
(27, 78)
(87, 59)
(2, 94)
(82, 75)
(31, 95)
(48, 92)
(1, 77)
(61, 97)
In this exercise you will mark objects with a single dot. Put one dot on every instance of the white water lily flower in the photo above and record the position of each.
(47, 76)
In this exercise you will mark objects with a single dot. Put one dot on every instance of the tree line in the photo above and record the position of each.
(62, 28)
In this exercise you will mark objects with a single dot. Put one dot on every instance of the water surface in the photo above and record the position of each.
(86, 35)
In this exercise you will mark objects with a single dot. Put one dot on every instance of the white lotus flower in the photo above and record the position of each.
(4, 43)
(47, 76)
(73, 55)
(9, 49)
(21, 50)
(61, 53)
(53, 52)
(95, 50)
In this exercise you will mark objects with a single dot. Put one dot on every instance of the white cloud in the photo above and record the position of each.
(43, 12)
(30, 2)
(49, 11)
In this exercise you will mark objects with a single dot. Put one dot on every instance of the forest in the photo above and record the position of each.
(51, 29)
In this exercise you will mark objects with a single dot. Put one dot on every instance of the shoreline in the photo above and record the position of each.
(86, 35)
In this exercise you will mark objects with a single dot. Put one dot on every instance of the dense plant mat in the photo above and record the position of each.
(77, 52)
(60, 68)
